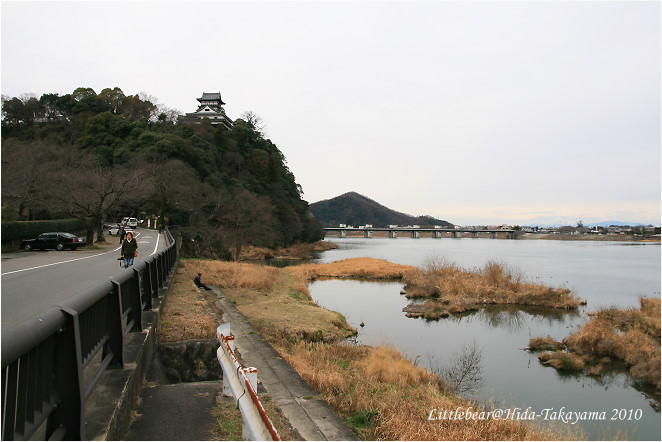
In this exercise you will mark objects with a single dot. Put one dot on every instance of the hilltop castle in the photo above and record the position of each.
(211, 106)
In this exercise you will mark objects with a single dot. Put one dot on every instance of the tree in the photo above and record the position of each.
(92, 190)
(112, 98)
(134, 108)
(25, 169)
(14, 111)
(50, 104)
(244, 217)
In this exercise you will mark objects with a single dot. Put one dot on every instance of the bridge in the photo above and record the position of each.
(415, 232)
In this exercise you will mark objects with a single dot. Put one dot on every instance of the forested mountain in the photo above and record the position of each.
(109, 155)
(355, 209)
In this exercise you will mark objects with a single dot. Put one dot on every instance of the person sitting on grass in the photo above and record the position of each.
(198, 282)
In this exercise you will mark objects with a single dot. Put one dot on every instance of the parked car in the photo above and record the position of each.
(125, 220)
(112, 229)
(132, 222)
(54, 240)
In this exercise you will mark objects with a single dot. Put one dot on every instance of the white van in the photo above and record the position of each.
(132, 222)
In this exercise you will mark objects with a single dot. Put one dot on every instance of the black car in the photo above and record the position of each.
(54, 240)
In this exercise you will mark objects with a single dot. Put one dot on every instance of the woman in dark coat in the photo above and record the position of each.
(129, 249)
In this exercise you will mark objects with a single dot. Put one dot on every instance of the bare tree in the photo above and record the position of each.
(24, 176)
(463, 373)
(255, 121)
(244, 216)
(89, 190)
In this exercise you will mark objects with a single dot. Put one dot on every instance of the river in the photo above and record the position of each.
(601, 272)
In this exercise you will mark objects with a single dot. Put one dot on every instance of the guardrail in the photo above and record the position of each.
(44, 357)
(241, 383)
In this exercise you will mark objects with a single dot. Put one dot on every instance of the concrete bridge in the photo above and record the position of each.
(415, 232)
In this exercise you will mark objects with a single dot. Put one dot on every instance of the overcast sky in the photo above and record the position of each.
(474, 112)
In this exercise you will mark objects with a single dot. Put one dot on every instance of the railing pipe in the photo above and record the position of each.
(241, 383)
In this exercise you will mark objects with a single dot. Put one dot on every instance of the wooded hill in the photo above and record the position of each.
(354, 209)
(111, 155)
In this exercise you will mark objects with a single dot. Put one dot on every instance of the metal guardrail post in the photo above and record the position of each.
(116, 328)
(68, 373)
(241, 384)
(145, 286)
(44, 357)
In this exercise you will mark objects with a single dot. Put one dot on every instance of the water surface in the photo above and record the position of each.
(603, 273)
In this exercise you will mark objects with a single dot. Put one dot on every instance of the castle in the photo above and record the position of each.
(211, 106)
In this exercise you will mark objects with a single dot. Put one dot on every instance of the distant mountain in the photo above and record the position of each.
(616, 223)
(354, 209)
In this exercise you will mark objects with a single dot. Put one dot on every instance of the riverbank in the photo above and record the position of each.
(379, 393)
(295, 252)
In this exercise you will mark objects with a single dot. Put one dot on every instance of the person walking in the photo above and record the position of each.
(129, 249)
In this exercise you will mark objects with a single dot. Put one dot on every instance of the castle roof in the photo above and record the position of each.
(211, 96)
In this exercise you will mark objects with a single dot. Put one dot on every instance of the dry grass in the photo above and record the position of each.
(383, 396)
(455, 290)
(545, 344)
(630, 335)
(184, 315)
(296, 251)
(232, 275)
(563, 361)
(274, 301)
(357, 268)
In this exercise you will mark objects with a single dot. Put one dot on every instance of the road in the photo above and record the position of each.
(33, 281)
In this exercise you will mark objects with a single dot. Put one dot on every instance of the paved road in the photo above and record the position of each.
(33, 281)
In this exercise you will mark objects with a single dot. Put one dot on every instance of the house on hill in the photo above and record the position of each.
(211, 106)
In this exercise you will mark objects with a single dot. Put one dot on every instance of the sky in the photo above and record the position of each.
(475, 112)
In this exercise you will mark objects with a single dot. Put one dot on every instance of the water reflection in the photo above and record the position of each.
(502, 332)
(511, 317)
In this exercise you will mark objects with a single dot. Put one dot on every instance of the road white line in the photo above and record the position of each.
(157, 244)
(72, 260)
(57, 263)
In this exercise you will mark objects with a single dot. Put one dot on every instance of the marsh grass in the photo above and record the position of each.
(545, 344)
(454, 290)
(628, 335)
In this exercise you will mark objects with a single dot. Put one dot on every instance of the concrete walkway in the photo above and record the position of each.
(310, 415)
(186, 411)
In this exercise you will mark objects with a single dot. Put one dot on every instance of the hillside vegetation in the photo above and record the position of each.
(109, 155)
(354, 209)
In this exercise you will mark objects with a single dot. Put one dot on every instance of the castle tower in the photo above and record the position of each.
(211, 106)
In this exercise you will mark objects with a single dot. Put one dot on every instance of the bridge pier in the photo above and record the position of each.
(341, 233)
(415, 234)
(456, 234)
(494, 235)
(367, 234)
(474, 234)
(437, 234)
(392, 234)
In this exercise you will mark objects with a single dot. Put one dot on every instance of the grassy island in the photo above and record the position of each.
(629, 336)
(379, 393)
(449, 289)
